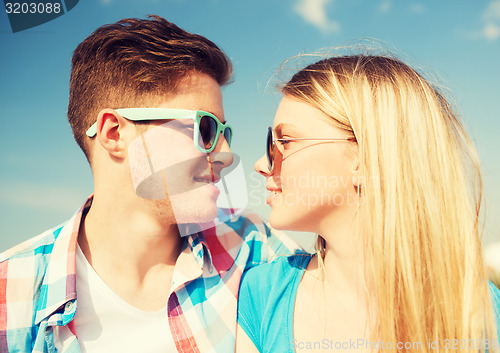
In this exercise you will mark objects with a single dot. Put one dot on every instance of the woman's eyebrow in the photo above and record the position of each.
(288, 126)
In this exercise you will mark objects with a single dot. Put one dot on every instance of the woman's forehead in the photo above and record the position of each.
(297, 116)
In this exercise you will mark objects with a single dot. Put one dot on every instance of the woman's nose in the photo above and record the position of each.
(261, 166)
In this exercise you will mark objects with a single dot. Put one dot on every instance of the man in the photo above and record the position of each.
(128, 273)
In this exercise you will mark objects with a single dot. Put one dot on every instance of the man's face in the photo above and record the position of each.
(166, 166)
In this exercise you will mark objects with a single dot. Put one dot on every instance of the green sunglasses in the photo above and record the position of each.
(207, 127)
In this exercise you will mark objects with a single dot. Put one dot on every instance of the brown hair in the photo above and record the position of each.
(135, 62)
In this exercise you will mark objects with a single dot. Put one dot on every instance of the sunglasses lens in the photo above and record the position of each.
(208, 131)
(270, 149)
(228, 135)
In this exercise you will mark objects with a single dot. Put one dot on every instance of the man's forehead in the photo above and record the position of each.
(196, 91)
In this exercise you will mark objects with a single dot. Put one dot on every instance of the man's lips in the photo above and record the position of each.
(205, 182)
(207, 179)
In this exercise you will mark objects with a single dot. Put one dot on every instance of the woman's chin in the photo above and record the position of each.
(282, 221)
(299, 221)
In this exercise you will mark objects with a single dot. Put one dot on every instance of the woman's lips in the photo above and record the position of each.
(271, 197)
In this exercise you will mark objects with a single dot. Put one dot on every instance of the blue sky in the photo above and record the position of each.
(44, 177)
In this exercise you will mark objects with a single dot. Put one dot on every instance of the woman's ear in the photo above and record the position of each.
(110, 132)
(358, 177)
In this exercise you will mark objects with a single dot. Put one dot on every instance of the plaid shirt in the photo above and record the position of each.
(38, 297)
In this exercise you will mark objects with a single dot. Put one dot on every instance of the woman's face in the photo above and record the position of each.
(314, 181)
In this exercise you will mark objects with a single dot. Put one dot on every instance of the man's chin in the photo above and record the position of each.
(195, 213)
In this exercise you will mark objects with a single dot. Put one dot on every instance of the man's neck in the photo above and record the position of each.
(131, 251)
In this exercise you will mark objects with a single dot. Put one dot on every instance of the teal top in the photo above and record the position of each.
(267, 299)
(266, 302)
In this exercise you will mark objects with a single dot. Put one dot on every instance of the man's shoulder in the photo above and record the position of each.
(23, 271)
(41, 244)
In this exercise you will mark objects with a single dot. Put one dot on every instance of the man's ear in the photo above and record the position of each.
(110, 132)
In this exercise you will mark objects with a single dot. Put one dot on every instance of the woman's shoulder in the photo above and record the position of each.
(260, 284)
(495, 296)
(265, 298)
(495, 299)
(281, 268)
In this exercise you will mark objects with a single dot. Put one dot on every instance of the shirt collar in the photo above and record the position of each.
(59, 282)
(203, 243)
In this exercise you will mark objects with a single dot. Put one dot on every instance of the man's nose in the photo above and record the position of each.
(222, 152)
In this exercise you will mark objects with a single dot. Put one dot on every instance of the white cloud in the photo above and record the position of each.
(491, 31)
(384, 6)
(314, 12)
(491, 21)
(417, 8)
(492, 12)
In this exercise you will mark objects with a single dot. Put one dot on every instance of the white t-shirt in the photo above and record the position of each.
(106, 323)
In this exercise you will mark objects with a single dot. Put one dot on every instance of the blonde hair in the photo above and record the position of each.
(421, 198)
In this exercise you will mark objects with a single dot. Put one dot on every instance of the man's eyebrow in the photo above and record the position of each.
(218, 118)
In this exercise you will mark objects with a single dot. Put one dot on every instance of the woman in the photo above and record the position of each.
(369, 155)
